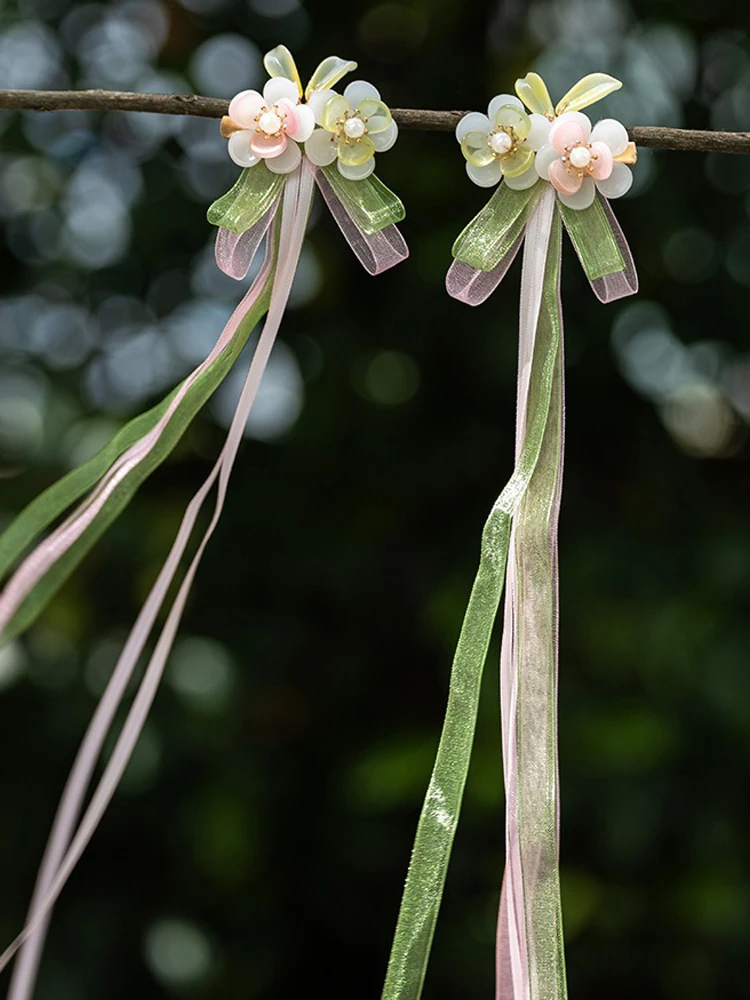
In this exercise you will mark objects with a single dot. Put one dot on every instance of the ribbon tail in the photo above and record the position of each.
(602, 250)
(378, 251)
(470, 285)
(66, 848)
(437, 823)
(235, 252)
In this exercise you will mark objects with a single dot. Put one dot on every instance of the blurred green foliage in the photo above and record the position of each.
(259, 843)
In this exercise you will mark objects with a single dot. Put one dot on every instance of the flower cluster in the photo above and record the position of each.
(556, 144)
(271, 126)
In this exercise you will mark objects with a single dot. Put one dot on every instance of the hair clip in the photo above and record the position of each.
(553, 169)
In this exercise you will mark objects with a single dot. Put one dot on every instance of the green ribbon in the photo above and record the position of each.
(369, 202)
(437, 823)
(595, 243)
(493, 232)
(257, 188)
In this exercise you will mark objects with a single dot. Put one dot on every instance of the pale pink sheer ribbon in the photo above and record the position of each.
(57, 865)
(376, 252)
(469, 285)
(56, 544)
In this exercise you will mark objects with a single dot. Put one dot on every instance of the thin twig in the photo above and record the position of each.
(685, 140)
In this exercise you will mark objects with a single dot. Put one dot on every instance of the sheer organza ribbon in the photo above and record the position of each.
(283, 210)
(519, 544)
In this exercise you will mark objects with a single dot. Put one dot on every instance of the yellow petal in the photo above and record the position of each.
(516, 163)
(533, 92)
(513, 117)
(587, 91)
(333, 113)
(280, 62)
(354, 152)
(376, 114)
(328, 74)
(476, 149)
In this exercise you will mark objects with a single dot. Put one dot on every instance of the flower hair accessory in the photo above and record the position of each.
(553, 169)
(270, 202)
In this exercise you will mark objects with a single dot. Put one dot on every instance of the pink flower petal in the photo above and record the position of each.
(268, 146)
(601, 167)
(290, 110)
(245, 106)
(561, 180)
(566, 133)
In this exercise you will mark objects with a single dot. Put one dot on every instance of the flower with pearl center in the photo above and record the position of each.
(501, 143)
(353, 127)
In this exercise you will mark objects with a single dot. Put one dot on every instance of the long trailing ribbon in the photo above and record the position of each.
(520, 539)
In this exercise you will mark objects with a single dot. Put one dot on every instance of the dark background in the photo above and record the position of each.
(259, 843)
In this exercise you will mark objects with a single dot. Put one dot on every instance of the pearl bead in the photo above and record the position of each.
(270, 123)
(580, 157)
(354, 128)
(500, 142)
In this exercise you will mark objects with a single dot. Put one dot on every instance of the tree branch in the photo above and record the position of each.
(684, 140)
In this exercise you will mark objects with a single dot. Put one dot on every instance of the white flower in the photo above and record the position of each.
(354, 126)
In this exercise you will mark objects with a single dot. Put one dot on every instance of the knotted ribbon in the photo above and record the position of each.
(519, 545)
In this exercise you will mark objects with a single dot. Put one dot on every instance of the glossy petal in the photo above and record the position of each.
(266, 147)
(239, 149)
(385, 140)
(473, 122)
(279, 88)
(376, 113)
(618, 183)
(563, 180)
(476, 149)
(539, 134)
(280, 62)
(353, 153)
(587, 91)
(569, 130)
(613, 133)
(321, 148)
(581, 198)
(317, 101)
(523, 181)
(333, 113)
(544, 160)
(487, 176)
(360, 90)
(285, 162)
(601, 161)
(357, 173)
(513, 117)
(328, 74)
(245, 106)
(518, 162)
(289, 110)
(497, 102)
(533, 92)
(304, 124)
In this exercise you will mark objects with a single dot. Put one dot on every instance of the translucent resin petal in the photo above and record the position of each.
(376, 114)
(523, 181)
(328, 74)
(476, 149)
(279, 88)
(544, 160)
(321, 148)
(240, 151)
(384, 140)
(285, 162)
(518, 162)
(360, 90)
(618, 183)
(304, 124)
(566, 132)
(333, 113)
(601, 161)
(497, 102)
(473, 122)
(359, 172)
(582, 198)
(511, 116)
(611, 132)
(533, 92)
(563, 180)
(268, 146)
(280, 62)
(317, 101)
(245, 106)
(587, 91)
(539, 134)
(352, 153)
(487, 176)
